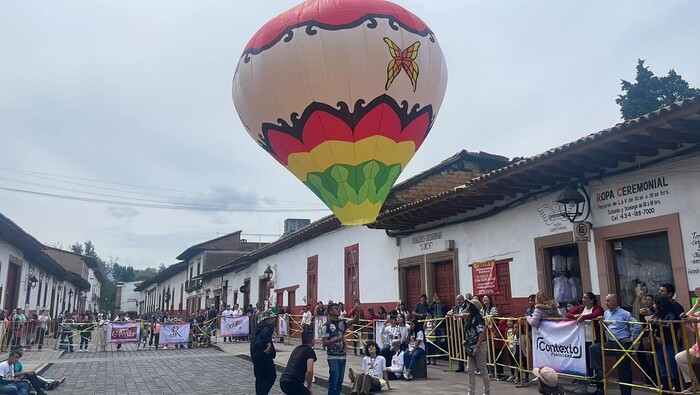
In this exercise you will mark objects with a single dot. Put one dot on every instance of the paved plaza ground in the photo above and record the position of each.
(223, 369)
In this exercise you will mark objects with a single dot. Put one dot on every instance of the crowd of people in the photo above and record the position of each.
(493, 343)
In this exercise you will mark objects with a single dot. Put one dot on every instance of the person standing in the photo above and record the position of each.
(333, 335)
(306, 318)
(44, 320)
(457, 312)
(227, 313)
(420, 313)
(262, 352)
(476, 348)
(623, 329)
(300, 367)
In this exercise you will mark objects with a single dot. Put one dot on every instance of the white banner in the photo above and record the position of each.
(560, 345)
(319, 320)
(378, 328)
(174, 333)
(282, 325)
(236, 326)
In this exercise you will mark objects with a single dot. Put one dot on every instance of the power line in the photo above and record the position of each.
(159, 206)
(43, 175)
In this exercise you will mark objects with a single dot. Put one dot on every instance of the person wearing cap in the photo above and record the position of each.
(548, 380)
(396, 368)
(333, 335)
(262, 353)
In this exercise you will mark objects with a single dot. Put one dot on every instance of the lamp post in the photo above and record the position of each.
(31, 283)
(70, 299)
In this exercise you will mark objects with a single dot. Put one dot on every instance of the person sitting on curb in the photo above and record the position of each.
(9, 384)
(374, 374)
(396, 368)
(39, 383)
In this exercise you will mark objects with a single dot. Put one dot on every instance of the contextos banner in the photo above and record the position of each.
(560, 345)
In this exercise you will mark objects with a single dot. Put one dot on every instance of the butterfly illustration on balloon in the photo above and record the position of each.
(321, 88)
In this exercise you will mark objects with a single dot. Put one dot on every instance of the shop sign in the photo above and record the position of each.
(427, 241)
(484, 279)
(552, 216)
(632, 200)
(695, 256)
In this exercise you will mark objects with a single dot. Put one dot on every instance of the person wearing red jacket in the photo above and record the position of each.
(587, 313)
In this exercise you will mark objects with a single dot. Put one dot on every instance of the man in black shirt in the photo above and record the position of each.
(421, 311)
(669, 291)
(300, 367)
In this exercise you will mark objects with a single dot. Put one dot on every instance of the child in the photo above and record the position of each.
(156, 332)
(143, 344)
(513, 342)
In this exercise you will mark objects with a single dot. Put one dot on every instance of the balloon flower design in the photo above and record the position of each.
(342, 93)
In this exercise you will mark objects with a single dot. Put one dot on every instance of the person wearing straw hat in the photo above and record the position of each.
(548, 381)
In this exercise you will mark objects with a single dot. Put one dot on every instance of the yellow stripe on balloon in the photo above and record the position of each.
(357, 214)
(329, 153)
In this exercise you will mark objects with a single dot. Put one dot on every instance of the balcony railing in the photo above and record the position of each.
(193, 285)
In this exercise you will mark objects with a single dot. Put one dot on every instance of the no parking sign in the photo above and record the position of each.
(582, 232)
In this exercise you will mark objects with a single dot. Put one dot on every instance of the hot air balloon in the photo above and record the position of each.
(342, 93)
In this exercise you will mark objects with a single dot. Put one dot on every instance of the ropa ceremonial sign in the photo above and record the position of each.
(123, 332)
(560, 345)
(632, 200)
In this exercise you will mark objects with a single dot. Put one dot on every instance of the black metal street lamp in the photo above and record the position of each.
(268, 273)
(575, 204)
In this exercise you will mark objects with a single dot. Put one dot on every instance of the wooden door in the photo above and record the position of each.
(444, 282)
(292, 302)
(312, 280)
(503, 299)
(280, 300)
(12, 288)
(414, 287)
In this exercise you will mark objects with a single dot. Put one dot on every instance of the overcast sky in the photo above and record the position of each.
(133, 99)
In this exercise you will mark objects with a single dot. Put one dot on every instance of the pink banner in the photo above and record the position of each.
(484, 278)
(123, 332)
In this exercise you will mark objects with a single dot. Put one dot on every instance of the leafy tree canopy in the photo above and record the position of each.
(649, 93)
(114, 272)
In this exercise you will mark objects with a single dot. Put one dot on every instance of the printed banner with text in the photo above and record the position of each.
(282, 325)
(123, 332)
(319, 321)
(560, 345)
(484, 278)
(174, 333)
(237, 326)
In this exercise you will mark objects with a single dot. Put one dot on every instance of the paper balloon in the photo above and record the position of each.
(342, 93)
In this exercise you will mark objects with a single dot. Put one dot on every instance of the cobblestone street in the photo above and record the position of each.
(200, 371)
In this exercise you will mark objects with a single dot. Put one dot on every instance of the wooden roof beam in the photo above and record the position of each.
(627, 148)
(673, 135)
(648, 141)
(587, 160)
(686, 125)
(605, 154)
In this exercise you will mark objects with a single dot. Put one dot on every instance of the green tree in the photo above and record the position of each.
(108, 292)
(649, 93)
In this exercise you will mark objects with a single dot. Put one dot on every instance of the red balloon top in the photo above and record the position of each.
(333, 15)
